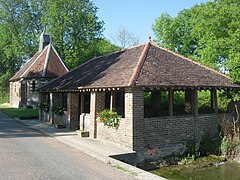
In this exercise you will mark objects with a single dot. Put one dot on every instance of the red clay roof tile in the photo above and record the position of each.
(48, 60)
(140, 66)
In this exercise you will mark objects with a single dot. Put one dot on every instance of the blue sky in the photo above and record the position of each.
(137, 16)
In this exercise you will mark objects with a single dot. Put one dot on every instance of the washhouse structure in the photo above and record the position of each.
(123, 80)
(44, 66)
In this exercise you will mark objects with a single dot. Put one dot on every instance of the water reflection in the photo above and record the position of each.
(226, 171)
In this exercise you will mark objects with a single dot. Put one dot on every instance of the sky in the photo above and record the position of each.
(137, 16)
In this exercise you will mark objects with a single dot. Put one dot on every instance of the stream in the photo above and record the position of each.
(220, 171)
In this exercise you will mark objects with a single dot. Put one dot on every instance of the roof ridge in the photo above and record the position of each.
(140, 63)
(27, 62)
(188, 59)
(33, 62)
(63, 63)
(46, 61)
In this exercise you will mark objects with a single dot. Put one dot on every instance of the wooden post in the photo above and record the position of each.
(170, 102)
(214, 105)
(82, 103)
(112, 100)
(195, 102)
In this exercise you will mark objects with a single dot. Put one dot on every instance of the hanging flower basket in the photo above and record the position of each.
(109, 118)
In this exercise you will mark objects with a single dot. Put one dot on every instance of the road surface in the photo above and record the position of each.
(27, 154)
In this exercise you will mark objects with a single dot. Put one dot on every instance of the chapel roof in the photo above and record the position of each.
(44, 64)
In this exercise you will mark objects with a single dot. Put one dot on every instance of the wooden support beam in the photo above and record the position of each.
(82, 103)
(170, 102)
(195, 103)
(214, 104)
(112, 100)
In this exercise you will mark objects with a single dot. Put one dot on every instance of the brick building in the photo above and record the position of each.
(44, 66)
(121, 80)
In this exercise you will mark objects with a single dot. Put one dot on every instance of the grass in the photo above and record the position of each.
(122, 169)
(22, 113)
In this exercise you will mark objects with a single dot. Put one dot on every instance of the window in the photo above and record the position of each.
(33, 85)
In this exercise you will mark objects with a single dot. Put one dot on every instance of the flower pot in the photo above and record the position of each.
(84, 134)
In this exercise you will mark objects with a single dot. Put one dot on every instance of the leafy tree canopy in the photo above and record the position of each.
(73, 25)
(208, 33)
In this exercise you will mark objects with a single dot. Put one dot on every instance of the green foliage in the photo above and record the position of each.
(110, 118)
(44, 106)
(18, 33)
(208, 33)
(229, 147)
(191, 148)
(179, 103)
(58, 110)
(208, 146)
(73, 26)
(4, 96)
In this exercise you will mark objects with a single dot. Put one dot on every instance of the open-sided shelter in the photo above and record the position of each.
(120, 80)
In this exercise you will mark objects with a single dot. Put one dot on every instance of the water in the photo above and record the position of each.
(222, 171)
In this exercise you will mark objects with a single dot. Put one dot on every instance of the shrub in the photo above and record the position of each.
(43, 106)
(58, 110)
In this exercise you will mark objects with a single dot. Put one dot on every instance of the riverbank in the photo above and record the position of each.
(210, 167)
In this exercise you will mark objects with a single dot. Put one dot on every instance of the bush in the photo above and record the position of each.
(58, 110)
(43, 106)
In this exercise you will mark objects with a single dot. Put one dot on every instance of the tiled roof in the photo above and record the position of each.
(43, 64)
(146, 65)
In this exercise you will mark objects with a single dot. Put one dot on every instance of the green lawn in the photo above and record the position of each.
(22, 113)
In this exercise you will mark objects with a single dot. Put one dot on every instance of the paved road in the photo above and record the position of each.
(27, 154)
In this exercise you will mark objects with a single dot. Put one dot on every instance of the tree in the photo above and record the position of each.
(73, 26)
(18, 31)
(124, 38)
(208, 33)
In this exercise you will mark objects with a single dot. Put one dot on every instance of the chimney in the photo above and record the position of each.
(44, 40)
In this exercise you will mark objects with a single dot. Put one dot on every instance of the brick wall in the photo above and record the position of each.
(119, 136)
(73, 110)
(165, 132)
(129, 133)
(209, 124)
(167, 136)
